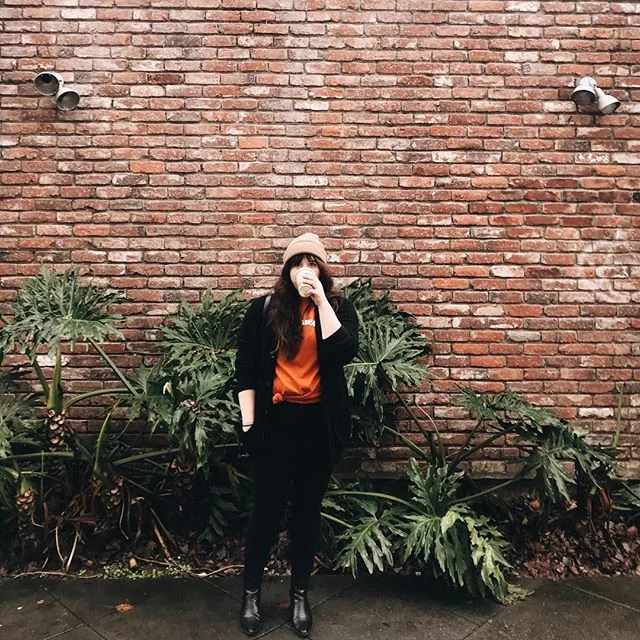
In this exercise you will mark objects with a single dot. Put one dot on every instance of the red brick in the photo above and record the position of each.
(458, 175)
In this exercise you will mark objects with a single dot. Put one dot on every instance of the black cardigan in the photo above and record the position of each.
(256, 363)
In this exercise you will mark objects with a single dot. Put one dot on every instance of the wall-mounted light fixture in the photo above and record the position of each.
(50, 83)
(587, 92)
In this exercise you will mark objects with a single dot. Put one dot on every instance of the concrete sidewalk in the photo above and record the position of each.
(370, 607)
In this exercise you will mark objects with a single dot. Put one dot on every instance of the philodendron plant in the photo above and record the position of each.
(42, 460)
(440, 525)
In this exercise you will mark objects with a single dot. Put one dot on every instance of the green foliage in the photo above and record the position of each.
(557, 456)
(387, 354)
(509, 410)
(188, 394)
(435, 488)
(8, 483)
(9, 413)
(74, 487)
(486, 545)
(627, 499)
(435, 531)
(150, 399)
(124, 572)
(368, 541)
(450, 538)
(439, 529)
(17, 421)
(51, 307)
(18, 431)
(204, 414)
(547, 461)
(221, 507)
(203, 340)
(367, 525)
(390, 348)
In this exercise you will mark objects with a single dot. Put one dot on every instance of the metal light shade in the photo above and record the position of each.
(585, 92)
(48, 83)
(606, 104)
(67, 99)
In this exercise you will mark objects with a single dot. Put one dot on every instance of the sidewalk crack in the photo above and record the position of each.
(73, 613)
(480, 626)
(286, 623)
(601, 597)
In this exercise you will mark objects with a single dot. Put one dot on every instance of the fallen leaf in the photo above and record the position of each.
(124, 607)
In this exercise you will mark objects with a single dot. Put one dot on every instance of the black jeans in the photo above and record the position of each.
(293, 464)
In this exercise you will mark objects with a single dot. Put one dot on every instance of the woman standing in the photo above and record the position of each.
(294, 405)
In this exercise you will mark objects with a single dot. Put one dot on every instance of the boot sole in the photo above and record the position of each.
(251, 633)
(298, 633)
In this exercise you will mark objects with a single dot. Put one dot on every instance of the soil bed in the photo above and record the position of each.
(578, 549)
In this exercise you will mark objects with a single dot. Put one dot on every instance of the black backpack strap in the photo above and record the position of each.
(265, 307)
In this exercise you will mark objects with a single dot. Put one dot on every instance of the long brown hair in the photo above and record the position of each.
(284, 310)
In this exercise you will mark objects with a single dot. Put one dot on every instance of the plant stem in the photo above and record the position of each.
(618, 414)
(40, 474)
(97, 461)
(412, 445)
(139, 486)
(144, 456)
(466, 442)
(464, 455)
(475, 496)
(55, 396)
(40, 374)
(83, 450)
(630, 491)
(113, 366)
(373, 494)
(336, 520)
(46, 454)
(427, 435)
(91, 394)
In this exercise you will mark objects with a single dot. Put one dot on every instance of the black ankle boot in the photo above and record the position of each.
(251, 611)
(301, 619)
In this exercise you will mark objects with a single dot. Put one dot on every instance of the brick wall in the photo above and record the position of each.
(432, 143)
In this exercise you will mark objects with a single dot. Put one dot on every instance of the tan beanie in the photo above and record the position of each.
(306, 243)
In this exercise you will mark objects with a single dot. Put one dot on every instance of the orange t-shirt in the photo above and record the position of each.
(298, 380)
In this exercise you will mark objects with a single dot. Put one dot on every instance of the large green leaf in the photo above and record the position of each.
(204, 340)
(369, 541)
(389, 357)
(51, 308)
(435, 488)
(17, 420)
(203, 417)
(7, 489)
(149, 397)
(510, 412)
(451, 538)
(555, 452)
(386, 354)
(487, 546)
(189, 393)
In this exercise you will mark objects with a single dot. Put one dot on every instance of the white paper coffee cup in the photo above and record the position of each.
(304, 289)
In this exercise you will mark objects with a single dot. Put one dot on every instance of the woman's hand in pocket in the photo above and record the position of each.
(250, 438)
